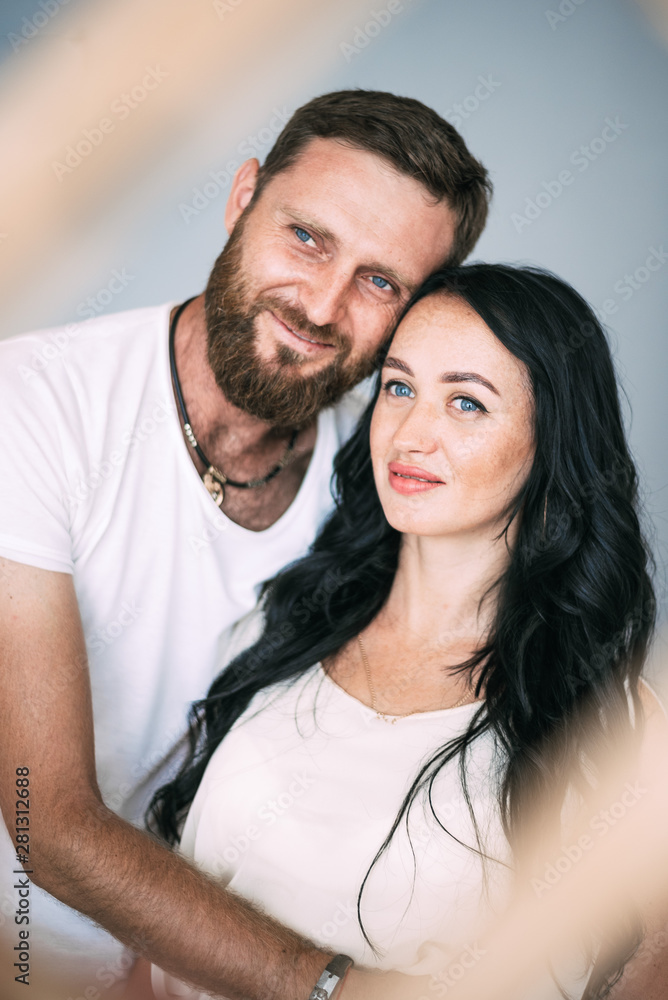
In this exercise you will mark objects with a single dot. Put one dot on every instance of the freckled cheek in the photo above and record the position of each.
(488, 464)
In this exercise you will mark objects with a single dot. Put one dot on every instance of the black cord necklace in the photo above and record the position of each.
(215, 480)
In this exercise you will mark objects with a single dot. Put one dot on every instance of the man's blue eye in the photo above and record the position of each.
(380, 282)
(303, 235)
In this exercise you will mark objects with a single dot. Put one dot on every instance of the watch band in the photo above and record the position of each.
(330, 978)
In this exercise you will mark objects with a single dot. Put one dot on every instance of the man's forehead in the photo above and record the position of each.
(318, 152)
(334, 160)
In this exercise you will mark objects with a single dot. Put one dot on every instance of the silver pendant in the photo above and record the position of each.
(214, 481)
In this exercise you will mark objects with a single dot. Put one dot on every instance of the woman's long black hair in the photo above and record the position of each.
(575, 606)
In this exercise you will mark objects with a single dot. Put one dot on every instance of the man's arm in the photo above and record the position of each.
(86, 856)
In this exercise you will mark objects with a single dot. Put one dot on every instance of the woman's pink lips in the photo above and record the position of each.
(411, 479)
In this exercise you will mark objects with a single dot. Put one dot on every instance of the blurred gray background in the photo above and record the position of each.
(536, 87)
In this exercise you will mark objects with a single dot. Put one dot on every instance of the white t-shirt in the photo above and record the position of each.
(96, 480)
(300, 795)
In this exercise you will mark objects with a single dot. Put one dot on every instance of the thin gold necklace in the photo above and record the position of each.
(381, 715)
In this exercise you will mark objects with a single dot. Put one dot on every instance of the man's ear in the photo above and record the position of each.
(241, 193)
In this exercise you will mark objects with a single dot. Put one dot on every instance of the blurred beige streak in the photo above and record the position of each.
(629, 861)
(203, 56)
(657, 12)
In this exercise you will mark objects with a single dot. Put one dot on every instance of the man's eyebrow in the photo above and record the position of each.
(396, 276)
(383, 269)
(305, 220)
(467, 377)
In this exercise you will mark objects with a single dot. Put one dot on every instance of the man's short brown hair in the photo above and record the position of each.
(411, 136)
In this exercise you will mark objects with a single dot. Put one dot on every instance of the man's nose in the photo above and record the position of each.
(416, 432)
(325, 296)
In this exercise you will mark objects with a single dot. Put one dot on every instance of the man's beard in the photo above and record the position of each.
(274, 391)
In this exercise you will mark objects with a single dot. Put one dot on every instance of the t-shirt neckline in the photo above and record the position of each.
(433, 714)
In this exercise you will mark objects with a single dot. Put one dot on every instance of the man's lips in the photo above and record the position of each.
(295, 339)
(411, 478)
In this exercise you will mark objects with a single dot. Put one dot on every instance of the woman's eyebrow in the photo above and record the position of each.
(396, 363)
(467, 377)
(445, 377)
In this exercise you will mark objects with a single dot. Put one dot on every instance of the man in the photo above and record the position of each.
(134, 530)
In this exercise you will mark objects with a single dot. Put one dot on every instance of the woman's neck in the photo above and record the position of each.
(440, 585)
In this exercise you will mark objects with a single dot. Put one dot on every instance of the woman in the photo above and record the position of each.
(450, 658)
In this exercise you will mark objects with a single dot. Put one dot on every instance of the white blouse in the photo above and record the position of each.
(298, 799)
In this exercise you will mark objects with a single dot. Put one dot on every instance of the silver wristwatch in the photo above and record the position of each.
(330, 978)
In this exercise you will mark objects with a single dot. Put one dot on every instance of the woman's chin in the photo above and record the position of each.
(430, 524)
(415, 522)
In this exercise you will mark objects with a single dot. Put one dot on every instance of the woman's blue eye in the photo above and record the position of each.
(468, 406)
(380, 282)
(398, 389)
(303, 235)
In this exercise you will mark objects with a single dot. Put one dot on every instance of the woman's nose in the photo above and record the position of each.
(416, 431)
